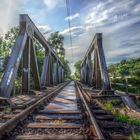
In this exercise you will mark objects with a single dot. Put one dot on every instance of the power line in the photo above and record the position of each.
(69, 23)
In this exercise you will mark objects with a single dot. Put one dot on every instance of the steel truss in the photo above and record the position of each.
(94, 73)
(52, 69)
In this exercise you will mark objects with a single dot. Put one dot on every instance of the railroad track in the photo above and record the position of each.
(15, 117)
(111, 128)
(68, 113)
(65, 117)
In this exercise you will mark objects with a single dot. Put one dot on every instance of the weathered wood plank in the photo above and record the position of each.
(54, 125)
(118, 137)
(54, 117)
(51, 137)
(59, 112)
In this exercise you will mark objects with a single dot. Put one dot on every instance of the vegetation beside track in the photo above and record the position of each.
(134, 136)
(121, 117)
(118, 73)
(126, 69)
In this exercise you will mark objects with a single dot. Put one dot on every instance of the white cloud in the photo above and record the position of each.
(9, 14)
(111, 18)
(44, 29)
(123, 51)
(79, 47)
(123, 24)
(51, 4)
(69, 48)
(76, 15)
(106, 13)
(73, 30)
(136, 8)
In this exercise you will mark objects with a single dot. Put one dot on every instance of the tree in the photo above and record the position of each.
(67, 71)
(111, 71)
(40, 54)
(56, 42)
(10, 36)
(77, 66)
(6, 45)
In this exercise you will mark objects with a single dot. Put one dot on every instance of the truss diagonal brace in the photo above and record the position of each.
(34, 67)
(12, 66)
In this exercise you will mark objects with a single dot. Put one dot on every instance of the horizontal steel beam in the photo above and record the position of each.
(32, 30)
(91, 47)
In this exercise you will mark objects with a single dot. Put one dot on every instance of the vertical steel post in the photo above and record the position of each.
(34, 67)
(62, 75)
(90, 70)
(51, 70)
(85, 73)
(98, 80)
(44, 71)
(55, 73)
(59, 74)
(26, 67)
(102, 64)
(13, 64)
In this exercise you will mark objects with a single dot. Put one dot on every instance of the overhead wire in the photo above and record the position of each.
(69, 24)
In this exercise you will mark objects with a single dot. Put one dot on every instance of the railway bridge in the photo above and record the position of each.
(54, 108)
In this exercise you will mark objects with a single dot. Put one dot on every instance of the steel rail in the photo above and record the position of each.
(12, 123)
(91, 117)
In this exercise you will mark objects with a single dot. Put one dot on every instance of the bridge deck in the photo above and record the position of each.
(61, 119)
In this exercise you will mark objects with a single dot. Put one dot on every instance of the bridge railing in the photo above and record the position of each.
(52, 69)
(94, 72)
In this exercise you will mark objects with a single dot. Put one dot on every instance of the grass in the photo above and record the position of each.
(121, 117)
(138, 103)
(7, 109)
(131, 89)
(134, 136)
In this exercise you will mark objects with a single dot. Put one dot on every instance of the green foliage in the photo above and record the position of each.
(129, 69)
(121, 117)
(134, 136)
(10, 36)
(67, 71)
(125, 67)
(6, 45)
(56, 42)
(40, 54)
(138, 103)
(77, 70)
(7, 109)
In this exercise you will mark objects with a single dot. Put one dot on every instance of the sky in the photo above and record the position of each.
(118, 20)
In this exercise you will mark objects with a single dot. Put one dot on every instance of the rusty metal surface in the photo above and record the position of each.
(32, 30)
(53, 69)
(94, 125)
(95, 73)
(12, 66)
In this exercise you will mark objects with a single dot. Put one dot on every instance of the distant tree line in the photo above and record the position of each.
(77, 66)
(129, 69)
(125, 68)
